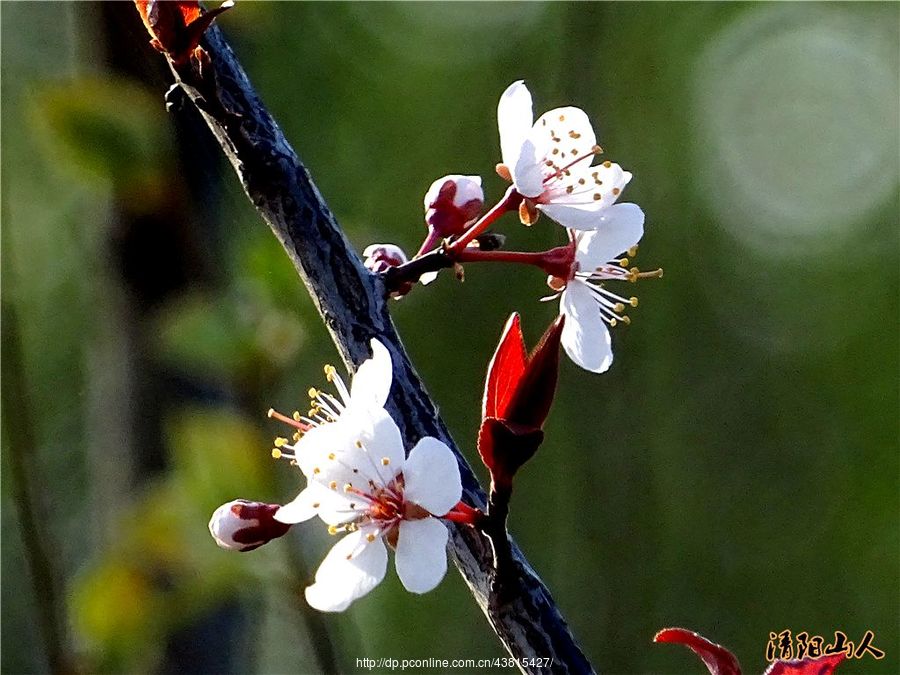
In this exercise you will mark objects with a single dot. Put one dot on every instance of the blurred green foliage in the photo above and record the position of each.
(736, 472)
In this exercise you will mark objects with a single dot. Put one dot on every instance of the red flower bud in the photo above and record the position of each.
(242, 525)
(380, 258)
(451, 203)
(518, 394)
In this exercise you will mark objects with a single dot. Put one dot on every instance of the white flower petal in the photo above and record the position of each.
(527, 171)
(566, 130)
(318, 443)
(383, 444)
(372, 382)
(585, 336)
(300, 509)
(427, 278)
(514, 118)
(587, 186)
(621, 227)
(339, 580)
(365, 440)
(431, 476)
(421, 557)
(580, 217)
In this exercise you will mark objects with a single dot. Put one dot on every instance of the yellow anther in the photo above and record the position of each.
(618, 307)
(330, 372)
(562, 118)
(574, 151)
(623, 262)
(385, 461)
(597, 150)
(313, 392)
(271, 413)
(316, 505)
(297, 436)
(574, 134)
(331, 455)
(607, 164)
(370, 537)
(333, 485)
(633, 301)
(332, 530)
(312, 412)
(627, 320)
(317, 471)
(359, 444)
(348, 487)
(633, 251)
(280, 442)
(276, 453)
(612, 323)
(296, 415)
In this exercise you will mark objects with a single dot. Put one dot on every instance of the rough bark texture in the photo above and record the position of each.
(353, 306)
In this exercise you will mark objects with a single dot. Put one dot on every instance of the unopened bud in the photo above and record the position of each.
(380, 258)
(242, 525)
(452, 202)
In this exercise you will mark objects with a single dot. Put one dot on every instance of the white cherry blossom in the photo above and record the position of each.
(589, 307)
(550, 161)
(375, 495)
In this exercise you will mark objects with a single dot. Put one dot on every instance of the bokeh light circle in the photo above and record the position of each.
(796, 115)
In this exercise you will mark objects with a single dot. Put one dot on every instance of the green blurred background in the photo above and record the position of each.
(736, 472)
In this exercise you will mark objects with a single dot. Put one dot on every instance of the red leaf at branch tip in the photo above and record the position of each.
(824, 665)
(718, 660)
(176, 26)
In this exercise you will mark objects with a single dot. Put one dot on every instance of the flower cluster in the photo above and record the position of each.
(360, 482)
(359, 479)
(550, 165)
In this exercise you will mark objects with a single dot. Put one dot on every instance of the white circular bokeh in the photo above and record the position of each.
(797, 125)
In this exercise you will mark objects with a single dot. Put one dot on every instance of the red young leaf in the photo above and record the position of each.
(824, 665)
(533, 396)
(177, 25)
(505, 369)
(718, 660)
(518, 394)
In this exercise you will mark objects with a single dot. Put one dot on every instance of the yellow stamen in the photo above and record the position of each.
(276, 453)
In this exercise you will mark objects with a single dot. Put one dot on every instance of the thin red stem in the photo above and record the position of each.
(536, 258)
(510, 202)
(432, 239)
(557, 261)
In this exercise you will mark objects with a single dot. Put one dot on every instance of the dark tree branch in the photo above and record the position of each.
(352, 303)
